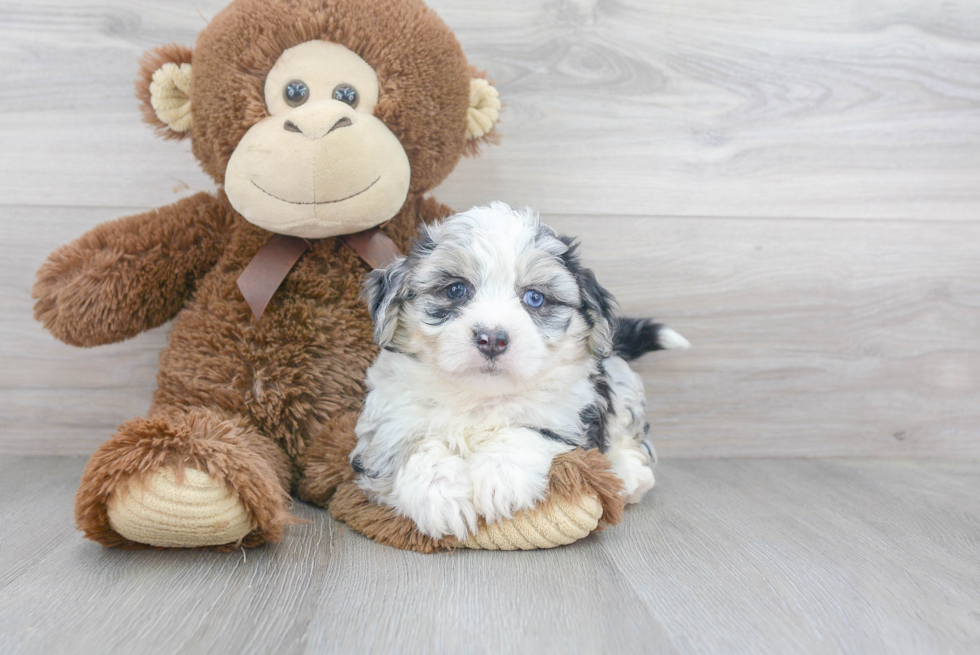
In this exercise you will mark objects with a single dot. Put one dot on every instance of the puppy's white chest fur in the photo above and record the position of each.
(445, 450)
(418, 403)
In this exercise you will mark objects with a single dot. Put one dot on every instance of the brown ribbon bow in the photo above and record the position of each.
(272, 263)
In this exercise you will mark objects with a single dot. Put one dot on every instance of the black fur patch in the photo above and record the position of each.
(442, 314)
(593, 417)
(597, 303)
(441, 309)
(602, 387)
(594, 421)
(552, 317)
(635, 337)
(357, 466)
(554, 436)
(594, 295)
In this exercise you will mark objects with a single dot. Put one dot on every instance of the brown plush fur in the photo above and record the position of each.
(422, 72)
(132, 274)
(266, 406)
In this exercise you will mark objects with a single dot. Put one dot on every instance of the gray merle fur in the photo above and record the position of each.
(595, 298)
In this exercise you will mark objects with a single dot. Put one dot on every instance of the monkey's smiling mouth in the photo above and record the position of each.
(323, 202)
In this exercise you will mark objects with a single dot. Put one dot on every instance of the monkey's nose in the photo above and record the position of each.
(492, 343)
(343, 122)
(290, 126)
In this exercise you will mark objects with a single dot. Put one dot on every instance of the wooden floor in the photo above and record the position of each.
(794, 186)
(730, 556)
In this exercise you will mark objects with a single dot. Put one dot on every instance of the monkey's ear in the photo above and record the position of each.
(482, 115)
(164, 89)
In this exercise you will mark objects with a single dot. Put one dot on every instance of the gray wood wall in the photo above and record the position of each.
(794, 186)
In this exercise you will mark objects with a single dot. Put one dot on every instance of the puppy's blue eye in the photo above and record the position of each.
(456, 291)
(533, 298)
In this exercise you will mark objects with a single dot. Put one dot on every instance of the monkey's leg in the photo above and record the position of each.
(183, 480)
(584, 495)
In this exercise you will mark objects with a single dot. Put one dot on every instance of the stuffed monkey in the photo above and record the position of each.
(324, 123)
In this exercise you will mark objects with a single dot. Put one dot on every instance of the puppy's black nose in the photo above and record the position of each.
(491, 343)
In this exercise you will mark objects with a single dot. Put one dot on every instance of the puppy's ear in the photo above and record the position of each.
(384, 291)
(598, 305)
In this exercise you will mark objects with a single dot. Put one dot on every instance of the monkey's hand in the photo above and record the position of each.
(131, 274)
(584, 494)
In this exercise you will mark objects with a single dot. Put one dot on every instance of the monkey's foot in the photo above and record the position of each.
(162, 510)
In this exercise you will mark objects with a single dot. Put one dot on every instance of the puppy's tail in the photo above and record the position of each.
(638, 336)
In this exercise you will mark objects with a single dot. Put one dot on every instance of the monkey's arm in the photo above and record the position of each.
(131, 274)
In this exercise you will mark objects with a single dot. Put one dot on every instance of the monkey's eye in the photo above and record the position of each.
(533, 298)
(296, 93)
(346, 93)
(456, 291)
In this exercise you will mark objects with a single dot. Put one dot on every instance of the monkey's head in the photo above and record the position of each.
(321, 117)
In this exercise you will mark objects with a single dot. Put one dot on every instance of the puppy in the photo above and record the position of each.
(499, 352)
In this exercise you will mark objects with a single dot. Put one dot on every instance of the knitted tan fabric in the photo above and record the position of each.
(484, 108)
(170, 96)
(198, 511)
(557, 523)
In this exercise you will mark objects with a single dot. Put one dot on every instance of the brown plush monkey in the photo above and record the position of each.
(317, 118)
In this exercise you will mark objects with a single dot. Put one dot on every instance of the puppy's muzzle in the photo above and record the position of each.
(492, 343)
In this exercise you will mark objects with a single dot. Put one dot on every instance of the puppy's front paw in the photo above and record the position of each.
(503, 486)
(446, 509)
(434, 490)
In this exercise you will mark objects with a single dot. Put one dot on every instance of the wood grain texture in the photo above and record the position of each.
(811, 338)
(793, 186)
(819, 338)
(838, 109)
(737, 556)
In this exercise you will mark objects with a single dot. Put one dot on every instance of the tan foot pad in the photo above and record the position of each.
(558, 523)
(160, 512)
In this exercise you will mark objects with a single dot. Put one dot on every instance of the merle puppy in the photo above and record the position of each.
(499, 352)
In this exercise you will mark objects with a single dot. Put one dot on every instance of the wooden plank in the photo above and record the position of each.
(738, 556)
(55, 398)
(643, 107)
(798, 556)
(323, 589)
(811, 338)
